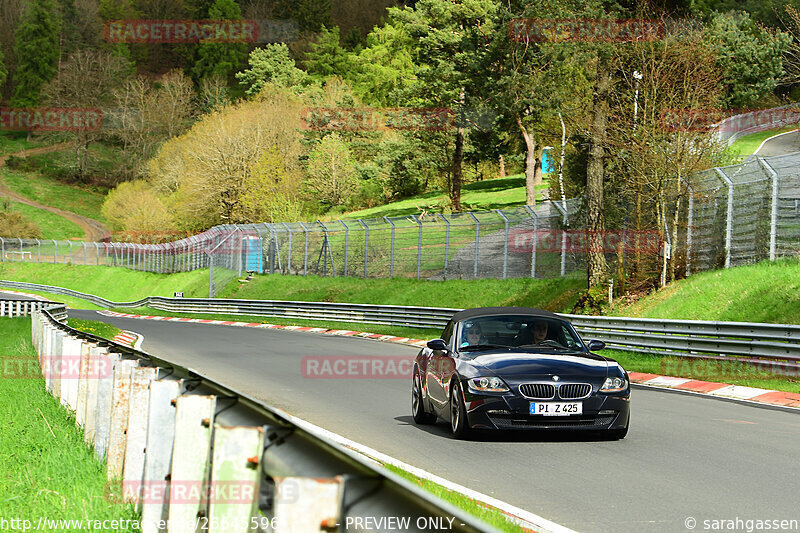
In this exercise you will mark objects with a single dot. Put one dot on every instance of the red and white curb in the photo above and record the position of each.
(130, 338)
(706, 388)
(305, 329)
(719, 390)
(29, 295)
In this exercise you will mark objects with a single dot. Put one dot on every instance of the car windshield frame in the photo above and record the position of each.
(496, 338)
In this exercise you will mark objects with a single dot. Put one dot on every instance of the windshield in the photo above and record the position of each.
(510, 331)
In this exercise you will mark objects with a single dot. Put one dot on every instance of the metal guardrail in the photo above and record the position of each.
(17, 308)
(153, 420)
(775, 345)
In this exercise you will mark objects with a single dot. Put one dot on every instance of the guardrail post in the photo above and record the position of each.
(105, 398)
(477, 239)
(366, 245)
(391, 252)
(194, 419)
(446, 243)
(302, 504)
(729, 217)
(157, 460)
(773, 220)
(505, 244)
(346, 245)
(236, 464)
(137, 433)
(534, 239)
(419, 244)
(99, 364)
(83, 383)
(120, 409)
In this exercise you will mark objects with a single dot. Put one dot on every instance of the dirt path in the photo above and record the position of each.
(95, 231)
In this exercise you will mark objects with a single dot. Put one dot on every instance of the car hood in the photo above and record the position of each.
(530, 365)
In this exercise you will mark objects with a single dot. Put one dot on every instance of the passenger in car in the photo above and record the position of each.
(534, 333)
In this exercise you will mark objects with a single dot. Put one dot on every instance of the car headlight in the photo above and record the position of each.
(615, 384)
(489, 384)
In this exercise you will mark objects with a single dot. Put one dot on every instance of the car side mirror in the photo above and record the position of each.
(596, 345)
(437, 344)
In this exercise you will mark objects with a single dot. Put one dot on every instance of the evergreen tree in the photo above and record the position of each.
(37, 51)
(220, 59)
(326, 58)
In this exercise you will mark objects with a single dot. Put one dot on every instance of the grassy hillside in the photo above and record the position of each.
(14, 141)
(51, 192)
(765, 292)
(499, 193)
(53, 226)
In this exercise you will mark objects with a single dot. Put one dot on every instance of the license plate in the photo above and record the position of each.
(556, 408)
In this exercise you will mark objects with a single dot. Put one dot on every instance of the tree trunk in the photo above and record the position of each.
(537, 169)
(458, 160)
(596, 260)
(530, 164)
(502, 167)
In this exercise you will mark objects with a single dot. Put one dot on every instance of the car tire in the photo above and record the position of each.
(418, 404)
(458, 412)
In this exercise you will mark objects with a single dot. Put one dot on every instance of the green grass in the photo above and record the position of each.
(53, 226)
(47, 470)
(499, 193)
(102, 159)
(11, 142)
(117, 284)
(101, 329)
(744, 146)
(489, 515)
(49, 191)
(764, 292)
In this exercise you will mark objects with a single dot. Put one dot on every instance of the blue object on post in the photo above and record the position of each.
(251, 250)
(547, 163)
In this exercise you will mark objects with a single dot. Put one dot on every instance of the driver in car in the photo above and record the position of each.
(472, 335)
(533, 334)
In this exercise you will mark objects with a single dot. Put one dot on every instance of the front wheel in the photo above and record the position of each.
(418, 405)
(458, 413)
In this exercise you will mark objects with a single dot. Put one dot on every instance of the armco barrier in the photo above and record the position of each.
(771, 345)
(200, 455)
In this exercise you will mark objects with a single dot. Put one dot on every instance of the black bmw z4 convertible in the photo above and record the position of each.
(518, 368)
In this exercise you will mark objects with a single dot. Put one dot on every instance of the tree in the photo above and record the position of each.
(86, 79)
(451, 39)
(220, 59)
(325, 57)
(332, 176)
(134, 207)
(750, 57)
(36, 51)
(3, 71)
(273, 65)
(384, 71)
(270, 190)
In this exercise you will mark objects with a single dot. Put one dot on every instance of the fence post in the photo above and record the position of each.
(346, 244)
(446, 243)
(391, 254)
(289, 259)
(505, 244)
(84, 253)
(71, 258)
(305, 251)
(564, 221)
(534, 240)
(419, 244)
(38, 251)
(477, 238)
(729, 217)
(55, 252)
(97, 253)
(366, 245)
(21, 252)
(2, 249)
(773, 222)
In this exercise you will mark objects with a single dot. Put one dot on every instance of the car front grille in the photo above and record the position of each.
(574, 391)
(541, 391)
(550, 422)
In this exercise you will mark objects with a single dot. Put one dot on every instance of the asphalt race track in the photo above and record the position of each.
(785, 144)
(685, 456)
